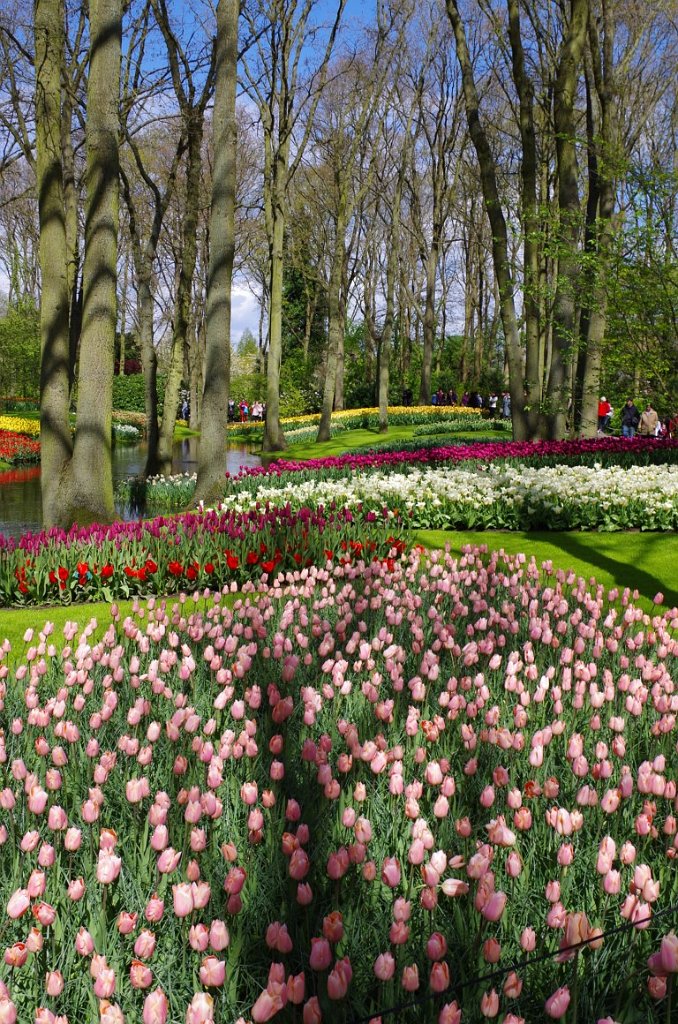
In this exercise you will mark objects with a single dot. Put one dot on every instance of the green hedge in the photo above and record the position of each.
(128, 392)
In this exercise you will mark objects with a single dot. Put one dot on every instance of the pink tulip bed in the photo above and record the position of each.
(389, 791)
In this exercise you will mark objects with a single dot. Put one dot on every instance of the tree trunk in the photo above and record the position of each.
(55, 433)
(72, 232)
(182, 305)
(274, 439)
(92, 481)
(429, 318)
(528, 178)
(495, 215)
(149, 363)
(212, 453)
(568, 217)
(600, 233)
(337, 324)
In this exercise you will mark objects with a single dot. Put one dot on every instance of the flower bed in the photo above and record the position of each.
(368, 785)
(20, 425)
(126, 433)
(201, 549)
(492, 496)
(612, 450)
(15, 448)
(351, 419)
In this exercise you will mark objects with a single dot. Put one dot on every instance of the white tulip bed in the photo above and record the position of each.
(493, 496)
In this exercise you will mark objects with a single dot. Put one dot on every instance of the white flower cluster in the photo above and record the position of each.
(434, 495)
(126, 430)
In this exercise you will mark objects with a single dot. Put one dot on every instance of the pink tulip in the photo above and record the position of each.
(140, 975)
(156, 1007)
(84, 943)
(384, 966)
(489, 1004)
(144, 946)
(110, 1013)
(108, 867)
(18, 904)
(54, 983)
(440, 977)
(436, 946)
(127, 922)
(339, 979)
(410, 978)
(333, 926)
(494, 907)
(312, 1013)
(268, 1004)
(201, 1009)
(182, 896)
(390, 872)
(8, 1013)
(168, 860)
(321, 954)
(104, 985)
(212, 972)
(556, 1005)
(76, 889)
(450, 1013)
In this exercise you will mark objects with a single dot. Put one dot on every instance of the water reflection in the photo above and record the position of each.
(21, 502)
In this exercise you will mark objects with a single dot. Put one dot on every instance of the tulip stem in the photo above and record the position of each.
(669, 994)
(575, 989)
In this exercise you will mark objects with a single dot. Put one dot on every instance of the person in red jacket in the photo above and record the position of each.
(604, 414)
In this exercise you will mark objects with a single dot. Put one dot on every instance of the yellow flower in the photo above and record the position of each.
(20, 425)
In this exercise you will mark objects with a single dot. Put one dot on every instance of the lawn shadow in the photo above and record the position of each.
(641, 548)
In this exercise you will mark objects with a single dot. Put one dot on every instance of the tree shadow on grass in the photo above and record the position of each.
(627, 568)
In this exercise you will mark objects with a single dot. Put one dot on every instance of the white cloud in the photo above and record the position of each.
(244, 312)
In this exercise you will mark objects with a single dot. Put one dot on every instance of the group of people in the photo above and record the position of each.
(493, 403)
(474, 400)
(646, 423)
(256, 411)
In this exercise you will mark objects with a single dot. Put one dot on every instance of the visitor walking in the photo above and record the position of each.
(648, 422)
(629, 419)
(506, 405)
(492, 404)
(604, 415)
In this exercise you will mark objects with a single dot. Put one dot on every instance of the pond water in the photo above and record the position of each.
(21, 503)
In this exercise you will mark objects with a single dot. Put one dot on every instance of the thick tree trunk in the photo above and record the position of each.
(212, 453)
(55, 434)
(500, 252)
(182, 305)
(569, 214)
(429, 319)
(600, 232)
(149, 363)
(72, 232)
(392, 264)
(528, 176)
(337, 323)
(274, 439)
(92, 481)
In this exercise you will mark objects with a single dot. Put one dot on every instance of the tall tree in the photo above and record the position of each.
(192, 96)
(212, 451)
(79, 487)
(283, 30)
(55, 433)
(500, 241)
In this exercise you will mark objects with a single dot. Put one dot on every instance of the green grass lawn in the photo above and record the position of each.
(15, 621)
(4, 466)
(345, 441)
(646, 562)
